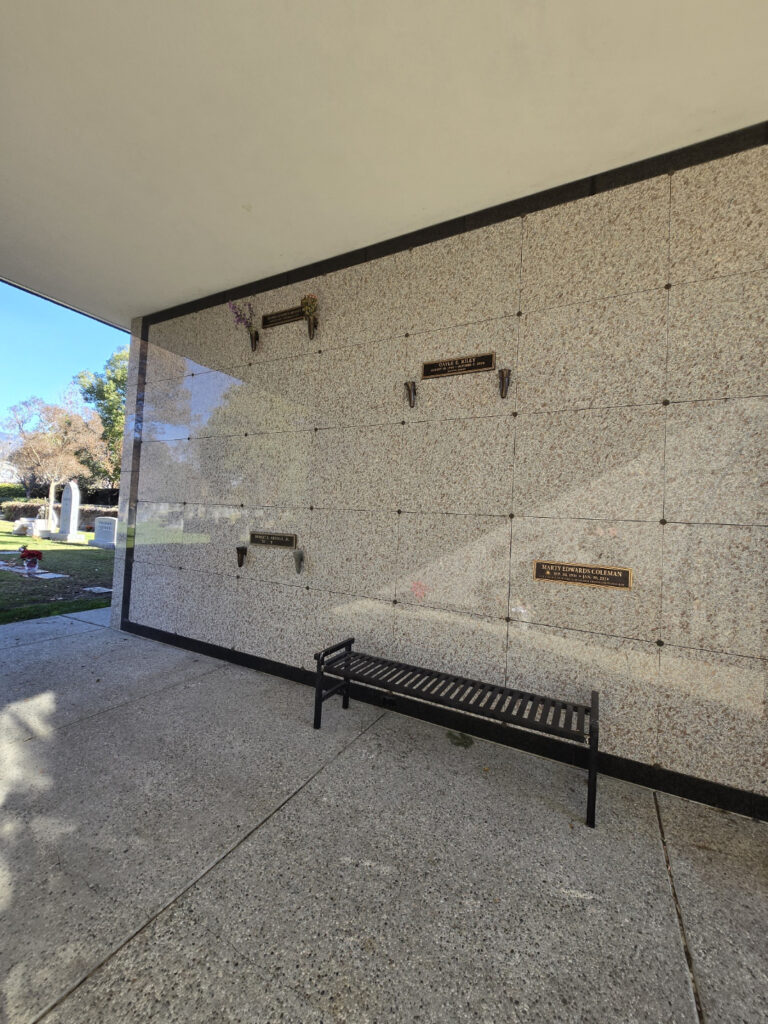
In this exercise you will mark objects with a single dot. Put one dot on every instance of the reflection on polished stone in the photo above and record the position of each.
(454, 562)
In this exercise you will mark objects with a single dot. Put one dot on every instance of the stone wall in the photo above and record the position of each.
(634, 324)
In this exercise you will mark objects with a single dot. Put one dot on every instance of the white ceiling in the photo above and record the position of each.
(155, 151)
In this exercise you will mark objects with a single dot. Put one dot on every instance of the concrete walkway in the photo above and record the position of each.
(178, 844)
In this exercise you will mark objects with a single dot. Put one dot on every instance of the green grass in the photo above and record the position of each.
(23, 597)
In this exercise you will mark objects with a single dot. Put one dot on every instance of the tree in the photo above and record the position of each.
(105, 392)
(53, 443)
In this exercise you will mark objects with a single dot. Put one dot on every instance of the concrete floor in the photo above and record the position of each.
(178, 844)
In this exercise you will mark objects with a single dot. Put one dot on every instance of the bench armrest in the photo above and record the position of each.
(323, 655)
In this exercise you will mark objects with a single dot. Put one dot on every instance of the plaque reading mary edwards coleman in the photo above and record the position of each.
(586, 575)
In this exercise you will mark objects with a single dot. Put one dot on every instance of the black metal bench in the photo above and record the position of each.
(578, 723)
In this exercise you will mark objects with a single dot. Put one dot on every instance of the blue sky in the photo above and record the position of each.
(42, 347)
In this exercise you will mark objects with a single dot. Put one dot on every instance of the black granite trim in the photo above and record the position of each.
(133, 494)
(727, 798)
(666, 163)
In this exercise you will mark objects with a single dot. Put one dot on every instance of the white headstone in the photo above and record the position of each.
(105, 532)
(70, 513)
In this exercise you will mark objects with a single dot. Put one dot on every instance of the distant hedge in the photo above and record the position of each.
(12, 492)
(13, 510)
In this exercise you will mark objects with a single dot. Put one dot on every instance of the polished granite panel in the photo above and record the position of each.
(159, 532)
(354, 552)
(222, 342)
(275, 622)
(460, 563)
(336, 617)
(593, 463)
(707, 739)
(717, 462)
(338, 306)
(277, 395)
(446, 641)
(154, 596)
(357, 467)
(605, 353)
(719, 220)
(462, 465)
(163, 364)
(261, 469)
(179, 336)
(163, 470)
(467, 277)
(718, 338)
(207, 607)
(601, 245)
(384, 298)
(569, 664)
(714, 588)
(466, 394)
(360, 385)
(212, 534)
(211, 403)
(626, 613)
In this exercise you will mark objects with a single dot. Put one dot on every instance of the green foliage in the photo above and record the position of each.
(105, 392)
(13, 510)
(10, 492)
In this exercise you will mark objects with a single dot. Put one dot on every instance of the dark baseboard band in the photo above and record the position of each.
(667, 163)
(727, 798)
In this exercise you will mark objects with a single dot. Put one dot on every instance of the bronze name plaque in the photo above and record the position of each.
(285, 316)
(274, 540)
(461, 364)
(584, 575)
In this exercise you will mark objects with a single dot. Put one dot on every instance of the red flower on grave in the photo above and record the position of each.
(25, 553)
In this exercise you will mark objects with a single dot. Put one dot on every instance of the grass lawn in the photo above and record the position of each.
(23, 597)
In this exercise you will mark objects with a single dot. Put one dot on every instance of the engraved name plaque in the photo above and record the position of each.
(274, 540)
(583, 575)
(285, 316)
(461, 364)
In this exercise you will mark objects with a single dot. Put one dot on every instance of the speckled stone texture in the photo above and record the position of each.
(468, 277)
(460, 465)
(633, 323)
(717, 462)
(714, 588)
(453, 561)
(601, 245)
(719, 217)
(597, 464)
(712, 716)
(718, 338)
(606, 353)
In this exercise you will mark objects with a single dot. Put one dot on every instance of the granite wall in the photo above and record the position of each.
(634, 323)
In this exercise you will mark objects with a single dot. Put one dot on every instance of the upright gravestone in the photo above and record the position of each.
(105, 532)
(70, 513)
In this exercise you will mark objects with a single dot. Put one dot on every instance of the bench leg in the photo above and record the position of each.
(594, 734)
(318, 698)
(345, 695)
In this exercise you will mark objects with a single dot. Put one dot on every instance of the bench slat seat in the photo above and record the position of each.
(516, 708)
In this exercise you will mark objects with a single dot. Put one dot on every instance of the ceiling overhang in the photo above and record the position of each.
(155, 153)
